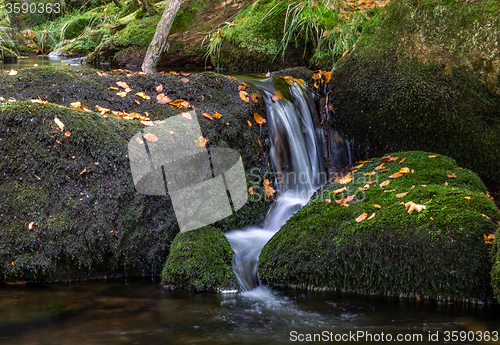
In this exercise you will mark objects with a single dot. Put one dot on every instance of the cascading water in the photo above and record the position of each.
(297, 153)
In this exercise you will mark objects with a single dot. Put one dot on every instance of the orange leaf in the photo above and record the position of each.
(76, 105)
(250, 190)
(83, 171)
(404, 170)
(328, 200)
(485, 216)
(344, 180)
(242, 87)
(249, 123)
(114, 88)
(371, 217)
(122, 84)
(269, 190)
(389, 190)
(384, 184)
(162, 99)
(201, 142)
(467, 197)
(159, 88)
(402, 161)
(180, 103)
(376, 206)
(139, 141)
(67, 134)
(207, 115)
(150, 137)
(387, 159)
(328, 76)
(186, 80)
(369, 173)
(452, 175)
(254, 97)
(30, 225)
(244, 96)
(121, 94)
(370, 181)
(217, 115)
(363, 189)
(381, 166)
(39, 101)
(395, 175)
(384, 170)
(259, 119)
(366, 162)
(337, 191)
(277, 95)
(143, 95)
(434, 156)
(400, 195)
(361, 217)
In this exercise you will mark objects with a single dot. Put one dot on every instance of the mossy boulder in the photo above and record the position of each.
(200, 260)
(438, 253)
(8, 55)
(425, 75)
(68, 206)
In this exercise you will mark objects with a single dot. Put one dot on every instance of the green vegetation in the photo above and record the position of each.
(439, 253)
(200, 260)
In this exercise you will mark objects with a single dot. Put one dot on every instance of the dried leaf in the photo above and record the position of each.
(122, 84)
(258, 140)
(364, 162)
(242, 87)
(363, 189)
(162, 99)
(76, 105)
(396, 175)
(467, 197)
(67, 134)
(277, 96)
(180, 103)
(344, 180)
(376, 206)
(250, 190)
(434, 156)
(244, 96)
(217, 115)
(387, 159)
(452, 175)
(121, 94)
(143, 95)
(39, 101)
(400, 195)
(384, 184)
(404, 170)
(337, 191)
(327, 76)
(201, 142)
(411, 206)
(489, 239)
(389, 190)
(381, 166)
(59, 123)
(384, 170)
(485, 216)
(269, 190)
(259, 119)
(402, 161)
(186, 80)
(101, 109)
(159, 88)
(344, 202)
(254, 97)
(207, 115)
(83, 171)
(371, 181)
(328, 200)
(150, 137)
(30, 225)
(187, 116)
(114, 88)
(12, 72)
(249, 123)
(371, 217)
(369, 173)
(361, 217)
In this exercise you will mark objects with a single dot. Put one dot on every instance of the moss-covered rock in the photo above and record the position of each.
(76, 190)
(439, 253)
(425, 75)
(7, 55)
(200, 260)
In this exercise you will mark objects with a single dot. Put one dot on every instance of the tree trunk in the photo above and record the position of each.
(146, 8)
(159, 43)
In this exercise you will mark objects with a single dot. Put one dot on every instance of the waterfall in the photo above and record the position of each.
(298, 154)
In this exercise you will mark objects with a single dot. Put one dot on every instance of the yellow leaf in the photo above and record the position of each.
(250, 190)
(59, 123)
(217, 115)
(254, 97)
(150, 137)
(277, 95)
(404, 170)
(114, 88)
(385, 183)
(30, 225)
(121, 94)
(363, 189)
(337, 191)
(376, 206)
(369, 173)
(371, 217)
(467, 197)
(364, 162)
(389, 190)
(83, 171)
(381, 166)
(101, 109)
(244, 96)
(400, 195)
(143, 95)
(76, 105)
(434, 156)
(122, 84)
(361, 217)
(201, 142)
(12, 72)
(39, 101)
(259, 119)
(269, 190)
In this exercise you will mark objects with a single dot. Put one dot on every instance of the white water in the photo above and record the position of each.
(296, 152)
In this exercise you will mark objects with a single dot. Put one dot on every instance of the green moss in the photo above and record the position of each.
(438, 253)
(138, 33)
(95, 224)
(200, 260)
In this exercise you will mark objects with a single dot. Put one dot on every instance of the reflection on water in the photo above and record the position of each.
(140, 313)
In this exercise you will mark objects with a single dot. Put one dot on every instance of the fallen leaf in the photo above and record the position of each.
(369, 173)
(59, 123)
(395, 175)
(187, 116)
(489, 239)
(207, 115)
(328, 200)
(39, 101)
(402, 161)
(258, 140)
(67, 134)
(254, 97)
(389, 191)
(371, 181)
(434, 156)
(139, 141)
(159, 88)
(269, 190)
(114, 88)
(411, 206)
(85, 108)
(101, 109)
(337, 191)
(162, 99)
(217, 115)
(404, 170)
(150, 137)
(467, 197)
(122, 84)
(12, 72)
(384, 170)
(250, 190)
(371, 217)
(76, 105)
(344, 202)
(423, 185)
(387, 159)
(30, 225)
(244, 96)
(147, 123)
(400, 195)
(384, 184)
(121, 94)
(83, 171)
(277, 96)
(249, 123)
(485, 216)
(344, 180)
(186, 80)
(143, 95)
(180, 103)
(327, 76)
(137, 101)
(381, 166)
(361, 217)
(364, 162)
(452, 175)
(201, 142)
(242, 87)
(376, 206)
(259, 119)
(363, 189)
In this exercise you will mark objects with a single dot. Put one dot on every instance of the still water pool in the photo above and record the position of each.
(141, 313)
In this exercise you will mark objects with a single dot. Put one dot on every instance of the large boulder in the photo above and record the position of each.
(439, 252)
(425, 75)
(68, 206)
